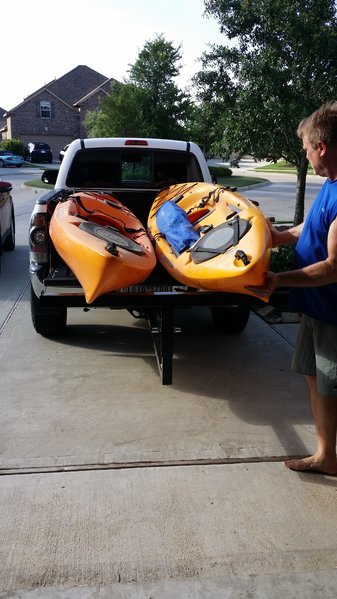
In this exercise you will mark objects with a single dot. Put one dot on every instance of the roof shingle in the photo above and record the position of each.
(72, 86)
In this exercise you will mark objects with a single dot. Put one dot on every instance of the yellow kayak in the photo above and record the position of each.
(210, 237)
(102, 242)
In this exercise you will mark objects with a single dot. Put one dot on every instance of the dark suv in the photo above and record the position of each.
(39, 152)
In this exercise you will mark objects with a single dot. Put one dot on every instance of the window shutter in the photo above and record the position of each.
(52, 110)
(38, 112)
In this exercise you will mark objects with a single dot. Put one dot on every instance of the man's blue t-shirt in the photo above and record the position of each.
(317, 302)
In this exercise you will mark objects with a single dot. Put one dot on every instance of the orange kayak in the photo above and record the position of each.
(228, 240)
(102, 242)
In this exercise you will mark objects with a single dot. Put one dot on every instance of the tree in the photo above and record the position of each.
(148, 103)
(282, 65)
(166, 107)
(214, 92)
(120, 114)
(13, 145)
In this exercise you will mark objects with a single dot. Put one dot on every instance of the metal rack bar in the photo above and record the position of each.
(162, 331)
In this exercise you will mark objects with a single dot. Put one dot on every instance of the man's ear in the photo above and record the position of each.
(322, 148)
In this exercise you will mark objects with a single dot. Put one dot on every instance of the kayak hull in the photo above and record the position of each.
(102, 242)
(234, 239)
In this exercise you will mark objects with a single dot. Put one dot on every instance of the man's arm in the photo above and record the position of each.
(285, 237)
(314, 275)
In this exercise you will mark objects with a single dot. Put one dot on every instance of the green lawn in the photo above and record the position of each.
(39, 184)
(240, 181)
(280, 167)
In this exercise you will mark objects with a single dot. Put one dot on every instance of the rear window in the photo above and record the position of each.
(41, 146)
(132, 168)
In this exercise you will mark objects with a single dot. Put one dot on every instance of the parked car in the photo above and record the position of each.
(7, 158)
(7, 218)
(62, 152)
(38, 151)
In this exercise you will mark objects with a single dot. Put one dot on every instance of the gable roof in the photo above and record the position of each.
(72, 87)
(104, 87)
(76, 84)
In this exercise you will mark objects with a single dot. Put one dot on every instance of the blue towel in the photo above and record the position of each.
(173, 223)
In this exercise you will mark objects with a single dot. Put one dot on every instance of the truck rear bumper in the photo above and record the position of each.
(68, 292)
(63, 290)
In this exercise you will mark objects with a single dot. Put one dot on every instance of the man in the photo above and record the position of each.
(315, 288)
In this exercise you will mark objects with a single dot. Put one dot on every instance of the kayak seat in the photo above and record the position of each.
(112, 236)
(219, 239)
(100, 219)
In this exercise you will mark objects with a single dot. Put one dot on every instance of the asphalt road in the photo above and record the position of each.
(112, 485)
(278, 198)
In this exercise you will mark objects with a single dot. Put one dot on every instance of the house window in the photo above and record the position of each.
(45, 110)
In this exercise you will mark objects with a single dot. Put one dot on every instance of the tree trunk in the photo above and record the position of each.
(302, 170)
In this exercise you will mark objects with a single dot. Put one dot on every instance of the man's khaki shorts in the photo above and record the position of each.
(316, 353)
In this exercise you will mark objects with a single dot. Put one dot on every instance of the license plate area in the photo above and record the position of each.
(153, 289)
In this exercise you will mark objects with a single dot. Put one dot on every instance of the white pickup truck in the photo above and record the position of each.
(133, 171)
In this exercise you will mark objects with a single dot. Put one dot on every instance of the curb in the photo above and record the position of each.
(254, 186)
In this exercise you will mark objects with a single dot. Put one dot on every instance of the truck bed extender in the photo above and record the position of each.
(133, 171)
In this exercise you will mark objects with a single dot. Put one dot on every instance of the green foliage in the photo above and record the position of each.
(149, 103)
(215, 93)
(220, 171)
(282, 258)
(120, 114)
(204, 127)
(166, 108)
(281, 65)
(156, 66)
(13, 145)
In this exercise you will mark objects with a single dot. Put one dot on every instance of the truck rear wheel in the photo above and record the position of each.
(231, 319)
(49, 321)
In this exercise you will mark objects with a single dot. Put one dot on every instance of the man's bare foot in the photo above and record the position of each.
(312, 464)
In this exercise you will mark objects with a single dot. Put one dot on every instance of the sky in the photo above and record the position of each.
(105, 35)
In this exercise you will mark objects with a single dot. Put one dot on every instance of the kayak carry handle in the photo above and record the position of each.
(241, 255)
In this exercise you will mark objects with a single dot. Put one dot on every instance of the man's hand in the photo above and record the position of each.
(268, 287)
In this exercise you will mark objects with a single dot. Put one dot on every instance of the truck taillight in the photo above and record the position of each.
(136, 142)
(38, 238)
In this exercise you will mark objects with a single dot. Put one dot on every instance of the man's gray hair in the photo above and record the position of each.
(321, 125)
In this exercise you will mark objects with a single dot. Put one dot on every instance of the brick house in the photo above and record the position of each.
(2, 119)
(55, 113)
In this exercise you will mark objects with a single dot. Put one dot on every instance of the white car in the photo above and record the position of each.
(62, 152)
(7, 218)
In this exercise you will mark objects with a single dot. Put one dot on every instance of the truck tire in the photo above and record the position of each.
(49, 321)
(231, 319)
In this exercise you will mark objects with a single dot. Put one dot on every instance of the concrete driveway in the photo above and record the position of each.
(113, 485)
